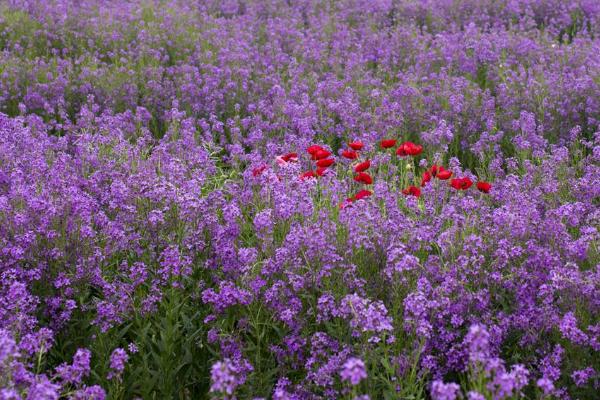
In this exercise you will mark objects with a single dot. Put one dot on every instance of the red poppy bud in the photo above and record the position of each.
(484, 187)
(321, 154)
(312, 150)
(426, 178)
(349, 154)
(413, 191)
(363, 177)
(387, 143)
(357, 145)
(363, 166)
(461, 183)
(443, 174)
(362, 194)
(328, 162)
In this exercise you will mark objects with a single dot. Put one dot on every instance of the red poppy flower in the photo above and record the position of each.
(321, 154)
(426, 178)
(461, 183)
(258, 170)
(484, 187)
(312, 150)
(413, 149)
(443, 174)
(362, 194)
(387, 143)
(413, 191)
(363, 177)
(328, 162)
(434, 170)
(321, 171)
(409, 149)
(349, 154)
(357, 145)
(308, 174)
(290, 157)
(363, 166)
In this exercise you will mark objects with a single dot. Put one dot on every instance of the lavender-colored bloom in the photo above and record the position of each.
(118, 360)
(353, 371)
(228, 374)
(444, 391)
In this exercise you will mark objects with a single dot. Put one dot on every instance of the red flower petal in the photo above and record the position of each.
(349, 154)
(363, 177)
(290, 157)
(401, 151)
(321, 154)
(461, 183)
(363, 166)
(307, 175)
(258, 170)
(321, 171)
(443, 174)
(426, 178)
(357, 145)
(484, 187)
(362, 194)
(387, 143)
(328, 162)
(312, 150)
(413, 191)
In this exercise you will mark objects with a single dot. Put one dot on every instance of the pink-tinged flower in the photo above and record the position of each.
(259, 170)
(409, 149)
(363, 177)
(484, 187)
(412, 191)
(290, 157)
(363, 166)
(362, 194)
(321, 171)
(461, 183)
(324, 163)
(356, 145)
(426, 178)
(387, 143)
(349, 154)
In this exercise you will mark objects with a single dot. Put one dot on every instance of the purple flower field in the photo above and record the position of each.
(300, 199)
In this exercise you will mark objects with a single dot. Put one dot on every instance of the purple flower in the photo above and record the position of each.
(353, 371)
(444, 391)
(228, 374)
(118, 359)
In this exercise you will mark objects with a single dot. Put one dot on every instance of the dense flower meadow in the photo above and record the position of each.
(300, 200)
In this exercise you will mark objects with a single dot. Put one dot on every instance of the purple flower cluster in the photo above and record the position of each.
(246, 199)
